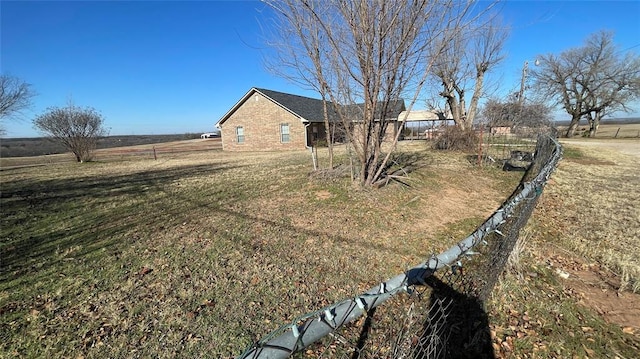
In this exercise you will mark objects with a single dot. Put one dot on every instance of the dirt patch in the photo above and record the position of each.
(626, 146)
(324, 194)
(444, 207)
(588, 217)
(591, 161)
(597, 287)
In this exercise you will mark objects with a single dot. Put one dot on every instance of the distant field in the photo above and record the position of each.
(621, 130)
(22, 147)
(140, 151)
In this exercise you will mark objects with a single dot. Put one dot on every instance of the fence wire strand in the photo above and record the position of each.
(445, 294)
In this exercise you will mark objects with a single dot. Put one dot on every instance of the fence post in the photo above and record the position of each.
(480, 149)
(155, 157)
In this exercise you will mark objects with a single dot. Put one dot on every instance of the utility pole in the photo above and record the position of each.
(523, 80)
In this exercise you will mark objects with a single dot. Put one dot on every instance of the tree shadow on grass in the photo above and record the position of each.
(45, 218)
(51, 217)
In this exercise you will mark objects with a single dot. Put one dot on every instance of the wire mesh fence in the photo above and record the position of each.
(435, 309)
(512, 151)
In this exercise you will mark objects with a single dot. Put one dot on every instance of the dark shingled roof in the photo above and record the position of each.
(310, 109)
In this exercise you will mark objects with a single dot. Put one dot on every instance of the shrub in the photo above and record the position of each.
(454, 138)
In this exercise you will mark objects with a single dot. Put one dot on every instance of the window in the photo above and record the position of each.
(284, 132)
(240, 134)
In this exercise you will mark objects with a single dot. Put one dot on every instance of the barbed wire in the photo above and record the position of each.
(503, 223)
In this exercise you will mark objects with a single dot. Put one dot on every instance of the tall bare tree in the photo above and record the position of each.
(589, 81)
(300, 58)
(15, 97)
(470, 53)
(75, 127)
(365, 57)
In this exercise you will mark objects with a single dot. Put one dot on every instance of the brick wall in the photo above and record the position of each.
(261, 120)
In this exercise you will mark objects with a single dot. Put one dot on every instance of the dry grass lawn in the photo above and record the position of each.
(200, 254)
(571, 293)
(595, 203)
(206, 252)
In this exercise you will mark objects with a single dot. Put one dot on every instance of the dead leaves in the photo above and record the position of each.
(207, 303)
(144, 271)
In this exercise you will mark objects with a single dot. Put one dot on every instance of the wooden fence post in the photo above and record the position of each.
(480, 147)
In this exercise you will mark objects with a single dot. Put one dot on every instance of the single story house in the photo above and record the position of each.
(266, 120)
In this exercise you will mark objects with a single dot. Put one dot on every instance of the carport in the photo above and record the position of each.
(423, 124)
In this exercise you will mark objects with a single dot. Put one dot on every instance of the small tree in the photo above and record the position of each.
(15, 96)
(76, 128)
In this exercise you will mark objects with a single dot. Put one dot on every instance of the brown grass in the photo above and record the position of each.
(593, 205)
(205, 252)
(200, 254)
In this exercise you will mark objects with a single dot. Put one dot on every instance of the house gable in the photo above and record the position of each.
(257, 123)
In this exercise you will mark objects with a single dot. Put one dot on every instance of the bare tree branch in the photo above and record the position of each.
(15, 97)
(589, 81)
(470, 52)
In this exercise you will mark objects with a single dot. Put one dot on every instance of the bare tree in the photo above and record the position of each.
(76, 128)
(470, 53)
(365, 57)
(589, 81)
(514, 113)
(15, 97)
(300, 59)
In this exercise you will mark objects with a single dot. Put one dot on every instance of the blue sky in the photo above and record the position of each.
(159, 67)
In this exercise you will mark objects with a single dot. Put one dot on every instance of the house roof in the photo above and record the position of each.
(306, 108)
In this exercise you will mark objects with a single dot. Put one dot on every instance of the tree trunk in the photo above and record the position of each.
(575, 121)
(477, 94)
(454, 107)
(327, 130)
(593, 129)
(594, 123)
